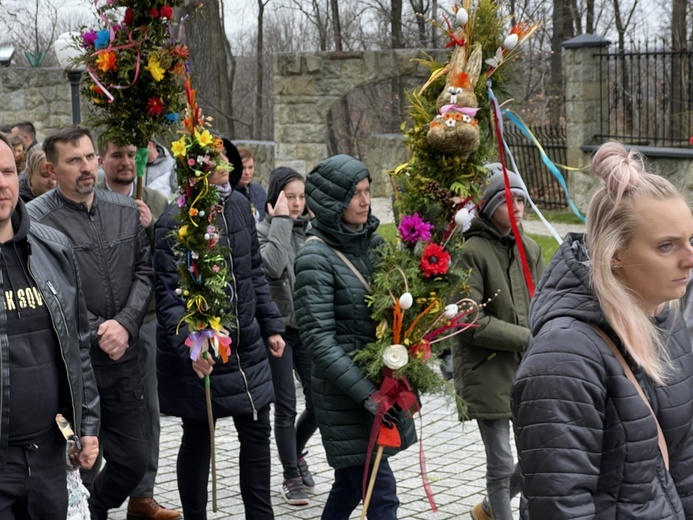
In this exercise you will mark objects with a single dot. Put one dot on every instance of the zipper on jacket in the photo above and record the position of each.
(235, 316)
(106, 271)
(57, 335)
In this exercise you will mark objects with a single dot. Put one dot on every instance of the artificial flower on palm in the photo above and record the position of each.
(135, 72)
(201, 260)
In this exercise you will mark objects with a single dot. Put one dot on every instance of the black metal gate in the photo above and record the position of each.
(543, 187)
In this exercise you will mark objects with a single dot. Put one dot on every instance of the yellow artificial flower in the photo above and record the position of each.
(179, 148)
(205, 138)
(381, 329)
(155, 69)
(183, 231)
(215, 323)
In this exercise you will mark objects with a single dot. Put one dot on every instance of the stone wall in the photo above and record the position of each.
(39, 95)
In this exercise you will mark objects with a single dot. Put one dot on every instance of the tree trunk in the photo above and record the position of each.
(256, 127)
(343, 120)
(589, 17)
(211, 62)
(562, 31)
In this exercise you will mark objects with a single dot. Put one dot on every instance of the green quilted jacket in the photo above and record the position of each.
(333, 318)
(485, 358)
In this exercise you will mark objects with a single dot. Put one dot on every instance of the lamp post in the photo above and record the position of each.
(6, 54)
(67, 51)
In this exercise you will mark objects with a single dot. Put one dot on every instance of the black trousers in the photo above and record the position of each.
(292, 439)
(123, 438)
(33, 483)
(254, 465)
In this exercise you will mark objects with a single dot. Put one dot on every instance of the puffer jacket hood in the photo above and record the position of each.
(329, 190)
(564, 290)
(279, 178)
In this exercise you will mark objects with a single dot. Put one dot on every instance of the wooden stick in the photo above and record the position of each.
(371, 482)
(210, 418)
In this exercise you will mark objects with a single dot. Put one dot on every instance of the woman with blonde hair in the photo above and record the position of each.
(37, 180)
(603, 399)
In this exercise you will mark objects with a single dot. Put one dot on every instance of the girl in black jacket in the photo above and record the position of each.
(587, 440)
(242, 387)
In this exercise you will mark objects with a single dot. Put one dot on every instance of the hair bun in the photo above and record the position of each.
(618, 168)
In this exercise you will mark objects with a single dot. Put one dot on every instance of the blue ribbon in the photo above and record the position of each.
(549, 164)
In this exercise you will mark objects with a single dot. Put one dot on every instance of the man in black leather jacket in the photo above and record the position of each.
(45, 368)
(113, 256)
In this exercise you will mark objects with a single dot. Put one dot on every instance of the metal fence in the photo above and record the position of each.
(543, 187)
(648, 96)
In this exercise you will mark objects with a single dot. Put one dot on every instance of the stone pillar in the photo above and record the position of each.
(584, 108)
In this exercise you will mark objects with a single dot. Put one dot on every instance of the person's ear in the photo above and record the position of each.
(50, 168)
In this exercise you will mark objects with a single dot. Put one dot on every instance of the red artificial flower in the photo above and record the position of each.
(180, 51)
(155, 107)
(421, 351)
(167, 12)
(154, 12)
(129, 16)
(435, 260)
(691, 140)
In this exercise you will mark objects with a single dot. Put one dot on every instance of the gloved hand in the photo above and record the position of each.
(391, 416)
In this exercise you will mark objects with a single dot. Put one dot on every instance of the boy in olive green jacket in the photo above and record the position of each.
(486, 357)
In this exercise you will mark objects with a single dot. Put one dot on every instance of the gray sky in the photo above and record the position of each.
(236, 11)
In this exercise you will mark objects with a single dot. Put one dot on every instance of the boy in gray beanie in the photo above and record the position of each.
(485, 357)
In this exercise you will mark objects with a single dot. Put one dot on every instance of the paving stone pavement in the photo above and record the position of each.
(455, 462)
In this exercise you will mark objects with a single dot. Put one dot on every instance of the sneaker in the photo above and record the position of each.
(479, 512)
(294, 493)
(306, 475)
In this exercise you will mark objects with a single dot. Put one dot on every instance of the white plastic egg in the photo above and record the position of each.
(406, 301)
(451, 311)
(462, 217)
(511, 41)
(462, 16)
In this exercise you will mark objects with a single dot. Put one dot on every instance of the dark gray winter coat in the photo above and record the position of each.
(587, 442)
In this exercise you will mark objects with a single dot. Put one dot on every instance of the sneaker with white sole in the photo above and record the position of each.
(306, 475)
(294, 493)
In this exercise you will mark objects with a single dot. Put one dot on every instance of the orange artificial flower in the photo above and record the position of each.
(106, 60)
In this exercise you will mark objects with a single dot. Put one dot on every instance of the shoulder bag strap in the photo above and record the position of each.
(346, 261)
(631, 377)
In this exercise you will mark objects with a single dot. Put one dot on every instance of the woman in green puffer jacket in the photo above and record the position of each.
(334, 321)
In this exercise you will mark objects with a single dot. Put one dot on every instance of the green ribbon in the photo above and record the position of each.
(141, 161)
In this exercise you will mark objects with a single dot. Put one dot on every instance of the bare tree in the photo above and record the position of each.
(32, 26)
(259, 70)
(562, 30)
(421, 8)
(212, 63)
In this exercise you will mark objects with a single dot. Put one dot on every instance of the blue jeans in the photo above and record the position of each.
(347, 491)
(503, 478)
(292, 440)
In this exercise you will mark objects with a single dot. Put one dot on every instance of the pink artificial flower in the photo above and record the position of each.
(413, 229)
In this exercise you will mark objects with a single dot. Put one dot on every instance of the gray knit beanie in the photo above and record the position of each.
(494, 195)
